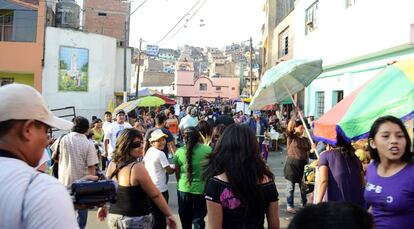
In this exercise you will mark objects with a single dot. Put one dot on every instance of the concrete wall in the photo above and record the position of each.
(230, 88)
(26, 57)
(103, 63)
(344, 33)
(354, 43)
(112, 24)
(119, 68)
(286, 23)
(184, 77)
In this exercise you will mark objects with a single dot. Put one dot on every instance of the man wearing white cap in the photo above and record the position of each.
(29, 199)
(157, 165)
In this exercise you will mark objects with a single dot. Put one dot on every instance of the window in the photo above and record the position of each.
(218, 88)
(311, 22)
(6, 25)
(284, 43)
(18, 25)
(6, 80)
(320, 103)
(337, 96)
(186, 100)
(203, 87)
(233, 88)
(349, 3)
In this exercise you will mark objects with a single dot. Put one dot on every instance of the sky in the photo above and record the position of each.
(225, 22)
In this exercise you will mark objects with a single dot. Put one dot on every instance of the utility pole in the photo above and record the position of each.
(125, 58)
(139, 65)
(251, 67)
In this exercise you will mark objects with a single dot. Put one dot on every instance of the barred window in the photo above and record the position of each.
(320, 103)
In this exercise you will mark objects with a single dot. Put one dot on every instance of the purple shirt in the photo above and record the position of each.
(344, 177)
(391, 198)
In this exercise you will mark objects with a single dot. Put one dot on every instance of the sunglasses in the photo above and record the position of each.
(136, 144)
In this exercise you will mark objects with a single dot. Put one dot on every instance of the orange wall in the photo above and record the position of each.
(26, 57)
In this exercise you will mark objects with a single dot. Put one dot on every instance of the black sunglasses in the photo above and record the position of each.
(136, 144)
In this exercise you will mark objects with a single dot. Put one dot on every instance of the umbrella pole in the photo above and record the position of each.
(301, 119)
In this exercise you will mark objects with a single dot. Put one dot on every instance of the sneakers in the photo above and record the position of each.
(291, 210)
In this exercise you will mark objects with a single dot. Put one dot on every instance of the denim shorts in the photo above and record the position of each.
(116, 221)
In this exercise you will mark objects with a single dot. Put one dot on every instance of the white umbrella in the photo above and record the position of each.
(285, 79)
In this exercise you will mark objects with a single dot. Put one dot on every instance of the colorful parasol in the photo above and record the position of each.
(391, 92)
(128, 106)
(150, 101)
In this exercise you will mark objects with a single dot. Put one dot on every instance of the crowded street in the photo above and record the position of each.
(206, 114)
(275, 162)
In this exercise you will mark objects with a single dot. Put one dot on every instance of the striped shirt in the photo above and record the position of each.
(76, 154)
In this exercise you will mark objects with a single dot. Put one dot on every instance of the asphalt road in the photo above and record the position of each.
(275, 162)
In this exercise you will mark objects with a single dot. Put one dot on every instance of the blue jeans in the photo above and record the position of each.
(290, 188)
(192, 209)
(82, 218)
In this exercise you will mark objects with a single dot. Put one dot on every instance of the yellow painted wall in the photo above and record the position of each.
(27, 79)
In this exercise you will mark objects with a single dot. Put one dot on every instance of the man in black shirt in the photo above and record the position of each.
(225, 118)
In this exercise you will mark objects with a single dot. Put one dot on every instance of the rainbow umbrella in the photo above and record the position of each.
(391, 92)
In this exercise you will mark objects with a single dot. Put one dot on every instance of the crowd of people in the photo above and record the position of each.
(218, 158)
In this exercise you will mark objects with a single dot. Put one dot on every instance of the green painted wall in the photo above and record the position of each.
(27, 79)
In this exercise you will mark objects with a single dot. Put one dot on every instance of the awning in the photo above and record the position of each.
(167, 100)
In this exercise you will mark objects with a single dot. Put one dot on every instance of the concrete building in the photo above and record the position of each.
(168, 54)
(106, 17)
(355, 41)
(158, 81)
(94, 59)
(189, 90)
(277, 37)
(268, 27)
(21, 42)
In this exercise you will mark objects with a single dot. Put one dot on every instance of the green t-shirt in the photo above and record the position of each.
(200, 153)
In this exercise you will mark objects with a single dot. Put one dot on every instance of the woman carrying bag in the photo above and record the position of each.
(135, 187)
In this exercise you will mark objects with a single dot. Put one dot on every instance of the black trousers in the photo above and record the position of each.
(160, 221)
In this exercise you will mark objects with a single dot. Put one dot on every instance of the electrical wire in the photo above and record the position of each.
(181, 19)
(138, 7)
(201, 5)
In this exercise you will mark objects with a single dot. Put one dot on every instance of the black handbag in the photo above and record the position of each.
(93, 193)
(55, 159)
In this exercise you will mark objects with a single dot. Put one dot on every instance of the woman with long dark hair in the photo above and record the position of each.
(190, 186)
(135, 187)
(390, 177)
(240, 188)
(340, 175)
(205, 130)
(217, 132)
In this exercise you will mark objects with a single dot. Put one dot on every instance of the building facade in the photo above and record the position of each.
(189, 90)
(353, 46)
(22, 28)
(106, 17)
(84, 70)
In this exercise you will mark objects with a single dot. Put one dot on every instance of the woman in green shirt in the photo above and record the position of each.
(98, 132)
(190, 191)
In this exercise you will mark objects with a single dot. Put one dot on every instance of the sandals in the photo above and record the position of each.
(291, 210)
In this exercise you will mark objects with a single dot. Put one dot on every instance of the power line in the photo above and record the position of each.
(201, 5)
(185, 15)
(138, 7)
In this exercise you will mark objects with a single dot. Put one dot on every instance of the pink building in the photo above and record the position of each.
(189, 90)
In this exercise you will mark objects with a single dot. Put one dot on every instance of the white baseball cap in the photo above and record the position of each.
(157, 134)
(22, 102)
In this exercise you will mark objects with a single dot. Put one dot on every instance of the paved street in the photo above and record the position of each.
(276, 162)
